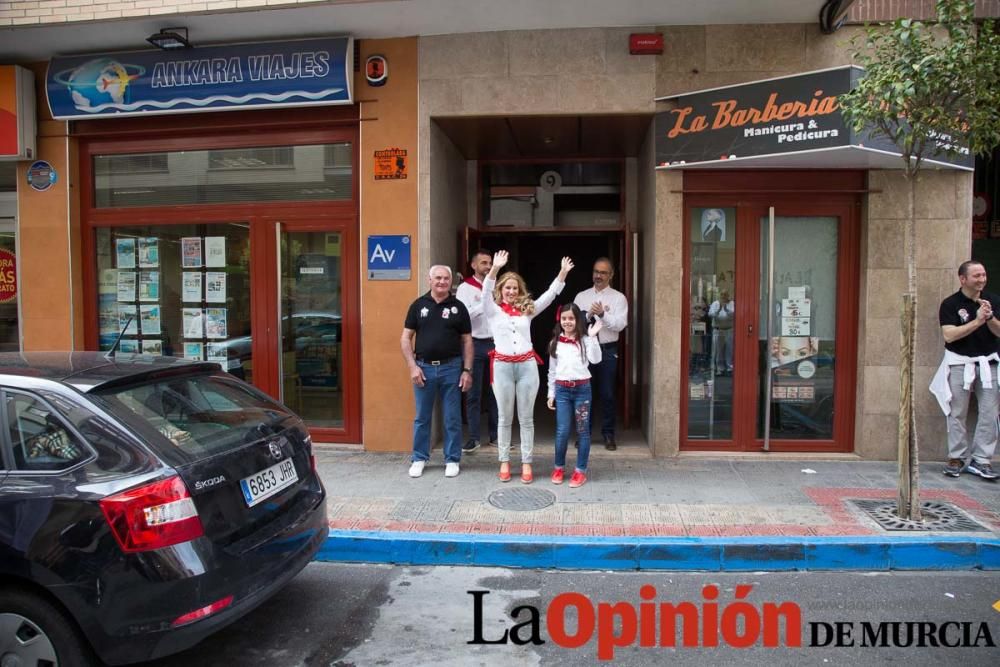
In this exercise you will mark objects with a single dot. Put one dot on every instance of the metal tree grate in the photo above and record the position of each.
(937, 516)
(522, 499)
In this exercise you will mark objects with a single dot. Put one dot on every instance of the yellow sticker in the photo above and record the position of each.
(996, 605)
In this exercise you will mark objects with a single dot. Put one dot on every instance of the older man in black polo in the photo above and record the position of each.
(440, 365)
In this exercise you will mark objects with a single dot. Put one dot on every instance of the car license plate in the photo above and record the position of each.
(264, 484)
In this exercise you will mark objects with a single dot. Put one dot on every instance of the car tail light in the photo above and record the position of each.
(312, 463)
(153, 516)
(205, 611)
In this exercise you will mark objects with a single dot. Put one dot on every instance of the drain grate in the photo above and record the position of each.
(937, 516)
(522, 499)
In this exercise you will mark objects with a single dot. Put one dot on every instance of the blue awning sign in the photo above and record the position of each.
(217, 78)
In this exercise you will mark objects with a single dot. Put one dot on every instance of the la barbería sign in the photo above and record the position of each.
(728, 114)
(770, 118)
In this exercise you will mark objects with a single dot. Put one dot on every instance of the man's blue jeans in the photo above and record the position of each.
(604, 376)
(573, 411)
(473, 408)
(441, 380)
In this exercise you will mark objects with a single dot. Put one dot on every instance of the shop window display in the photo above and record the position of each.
(178, 291)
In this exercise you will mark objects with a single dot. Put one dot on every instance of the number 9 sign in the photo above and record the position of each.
(551, 181)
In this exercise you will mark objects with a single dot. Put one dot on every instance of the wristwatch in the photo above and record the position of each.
(467, 370)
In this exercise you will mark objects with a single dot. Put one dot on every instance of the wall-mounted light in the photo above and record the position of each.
(170, 39)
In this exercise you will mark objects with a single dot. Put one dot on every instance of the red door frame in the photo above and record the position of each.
(834, 194)
(287, 129)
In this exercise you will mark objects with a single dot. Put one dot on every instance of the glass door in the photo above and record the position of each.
(783, 382)
(317, 367)
(711, 362)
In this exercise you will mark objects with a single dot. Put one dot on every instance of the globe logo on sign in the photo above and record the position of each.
(99, 84)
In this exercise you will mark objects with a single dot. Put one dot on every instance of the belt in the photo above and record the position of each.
(512, 359)
(436, 362)
(573, 383)
(489, 338)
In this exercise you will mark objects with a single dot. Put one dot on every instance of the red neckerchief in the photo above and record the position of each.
(471, 280)
(509, 309)
(564, 339)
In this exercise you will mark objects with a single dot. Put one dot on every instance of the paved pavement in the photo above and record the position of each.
(762, 511)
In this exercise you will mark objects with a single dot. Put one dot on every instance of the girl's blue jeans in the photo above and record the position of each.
(573, 412)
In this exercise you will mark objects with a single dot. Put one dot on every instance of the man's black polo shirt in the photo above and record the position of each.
(439, 327)
(959, 309)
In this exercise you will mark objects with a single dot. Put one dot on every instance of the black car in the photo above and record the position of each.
(144, 504)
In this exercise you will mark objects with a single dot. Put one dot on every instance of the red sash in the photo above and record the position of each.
(512, 359)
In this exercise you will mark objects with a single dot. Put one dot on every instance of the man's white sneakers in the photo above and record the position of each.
(417, 468)
(451, 469)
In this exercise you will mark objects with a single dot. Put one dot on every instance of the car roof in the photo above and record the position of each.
(88, 370)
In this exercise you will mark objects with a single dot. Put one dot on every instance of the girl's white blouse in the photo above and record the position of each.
(512, 335)
(569, 364)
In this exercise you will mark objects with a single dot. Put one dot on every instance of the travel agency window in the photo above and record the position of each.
(188, 236)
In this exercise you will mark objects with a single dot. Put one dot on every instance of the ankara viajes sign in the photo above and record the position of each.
(786, 121)
(297, 73)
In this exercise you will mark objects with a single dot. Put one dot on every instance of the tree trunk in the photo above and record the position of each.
(908, 499)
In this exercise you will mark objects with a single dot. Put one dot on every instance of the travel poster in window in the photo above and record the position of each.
(191, 286)
(125, 251)
(149, 320)
(217, 352)
(215, 323)
(149, 252)
(126, 285)
(191, 252)
(193, 351)
(128, 315)
(154, 346)
(128, 346)
(215, 251)
(194, 323)
(149, 286)
(215, 286)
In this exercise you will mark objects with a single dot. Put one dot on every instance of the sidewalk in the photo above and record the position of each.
(759, 512)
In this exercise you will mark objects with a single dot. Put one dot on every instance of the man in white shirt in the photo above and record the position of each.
(723, 312)
(470, 293)
(610, 306)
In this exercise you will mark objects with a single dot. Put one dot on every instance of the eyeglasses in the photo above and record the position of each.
(601, 273)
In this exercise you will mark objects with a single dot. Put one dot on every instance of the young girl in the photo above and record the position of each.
(570, 353)
(509, 310)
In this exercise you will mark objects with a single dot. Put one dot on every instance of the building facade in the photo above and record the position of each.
(246, 236)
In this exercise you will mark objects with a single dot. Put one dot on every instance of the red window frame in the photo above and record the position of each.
(240, 130)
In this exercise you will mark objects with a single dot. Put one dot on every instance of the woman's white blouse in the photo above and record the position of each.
(569, 364)
(512, 335)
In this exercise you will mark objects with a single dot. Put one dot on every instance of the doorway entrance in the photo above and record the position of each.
(536, 256)
(771, 319)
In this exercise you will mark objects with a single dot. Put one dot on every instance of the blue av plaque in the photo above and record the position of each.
(388, 257)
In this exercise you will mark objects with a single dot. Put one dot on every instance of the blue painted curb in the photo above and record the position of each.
(735, 554)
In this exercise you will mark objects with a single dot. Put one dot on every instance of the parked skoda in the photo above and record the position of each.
(144, 504)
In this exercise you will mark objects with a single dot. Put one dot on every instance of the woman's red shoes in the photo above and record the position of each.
(557, 476)
(577, 480)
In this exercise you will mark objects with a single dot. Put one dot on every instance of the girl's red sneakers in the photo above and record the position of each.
(577, 480)
(557, 476)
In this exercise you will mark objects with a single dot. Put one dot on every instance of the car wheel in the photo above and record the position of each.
(34, 632)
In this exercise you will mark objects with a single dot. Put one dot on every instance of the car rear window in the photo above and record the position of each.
(197, 415)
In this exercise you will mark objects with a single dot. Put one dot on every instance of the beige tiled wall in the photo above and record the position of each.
(943, 226)
(41, 12)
